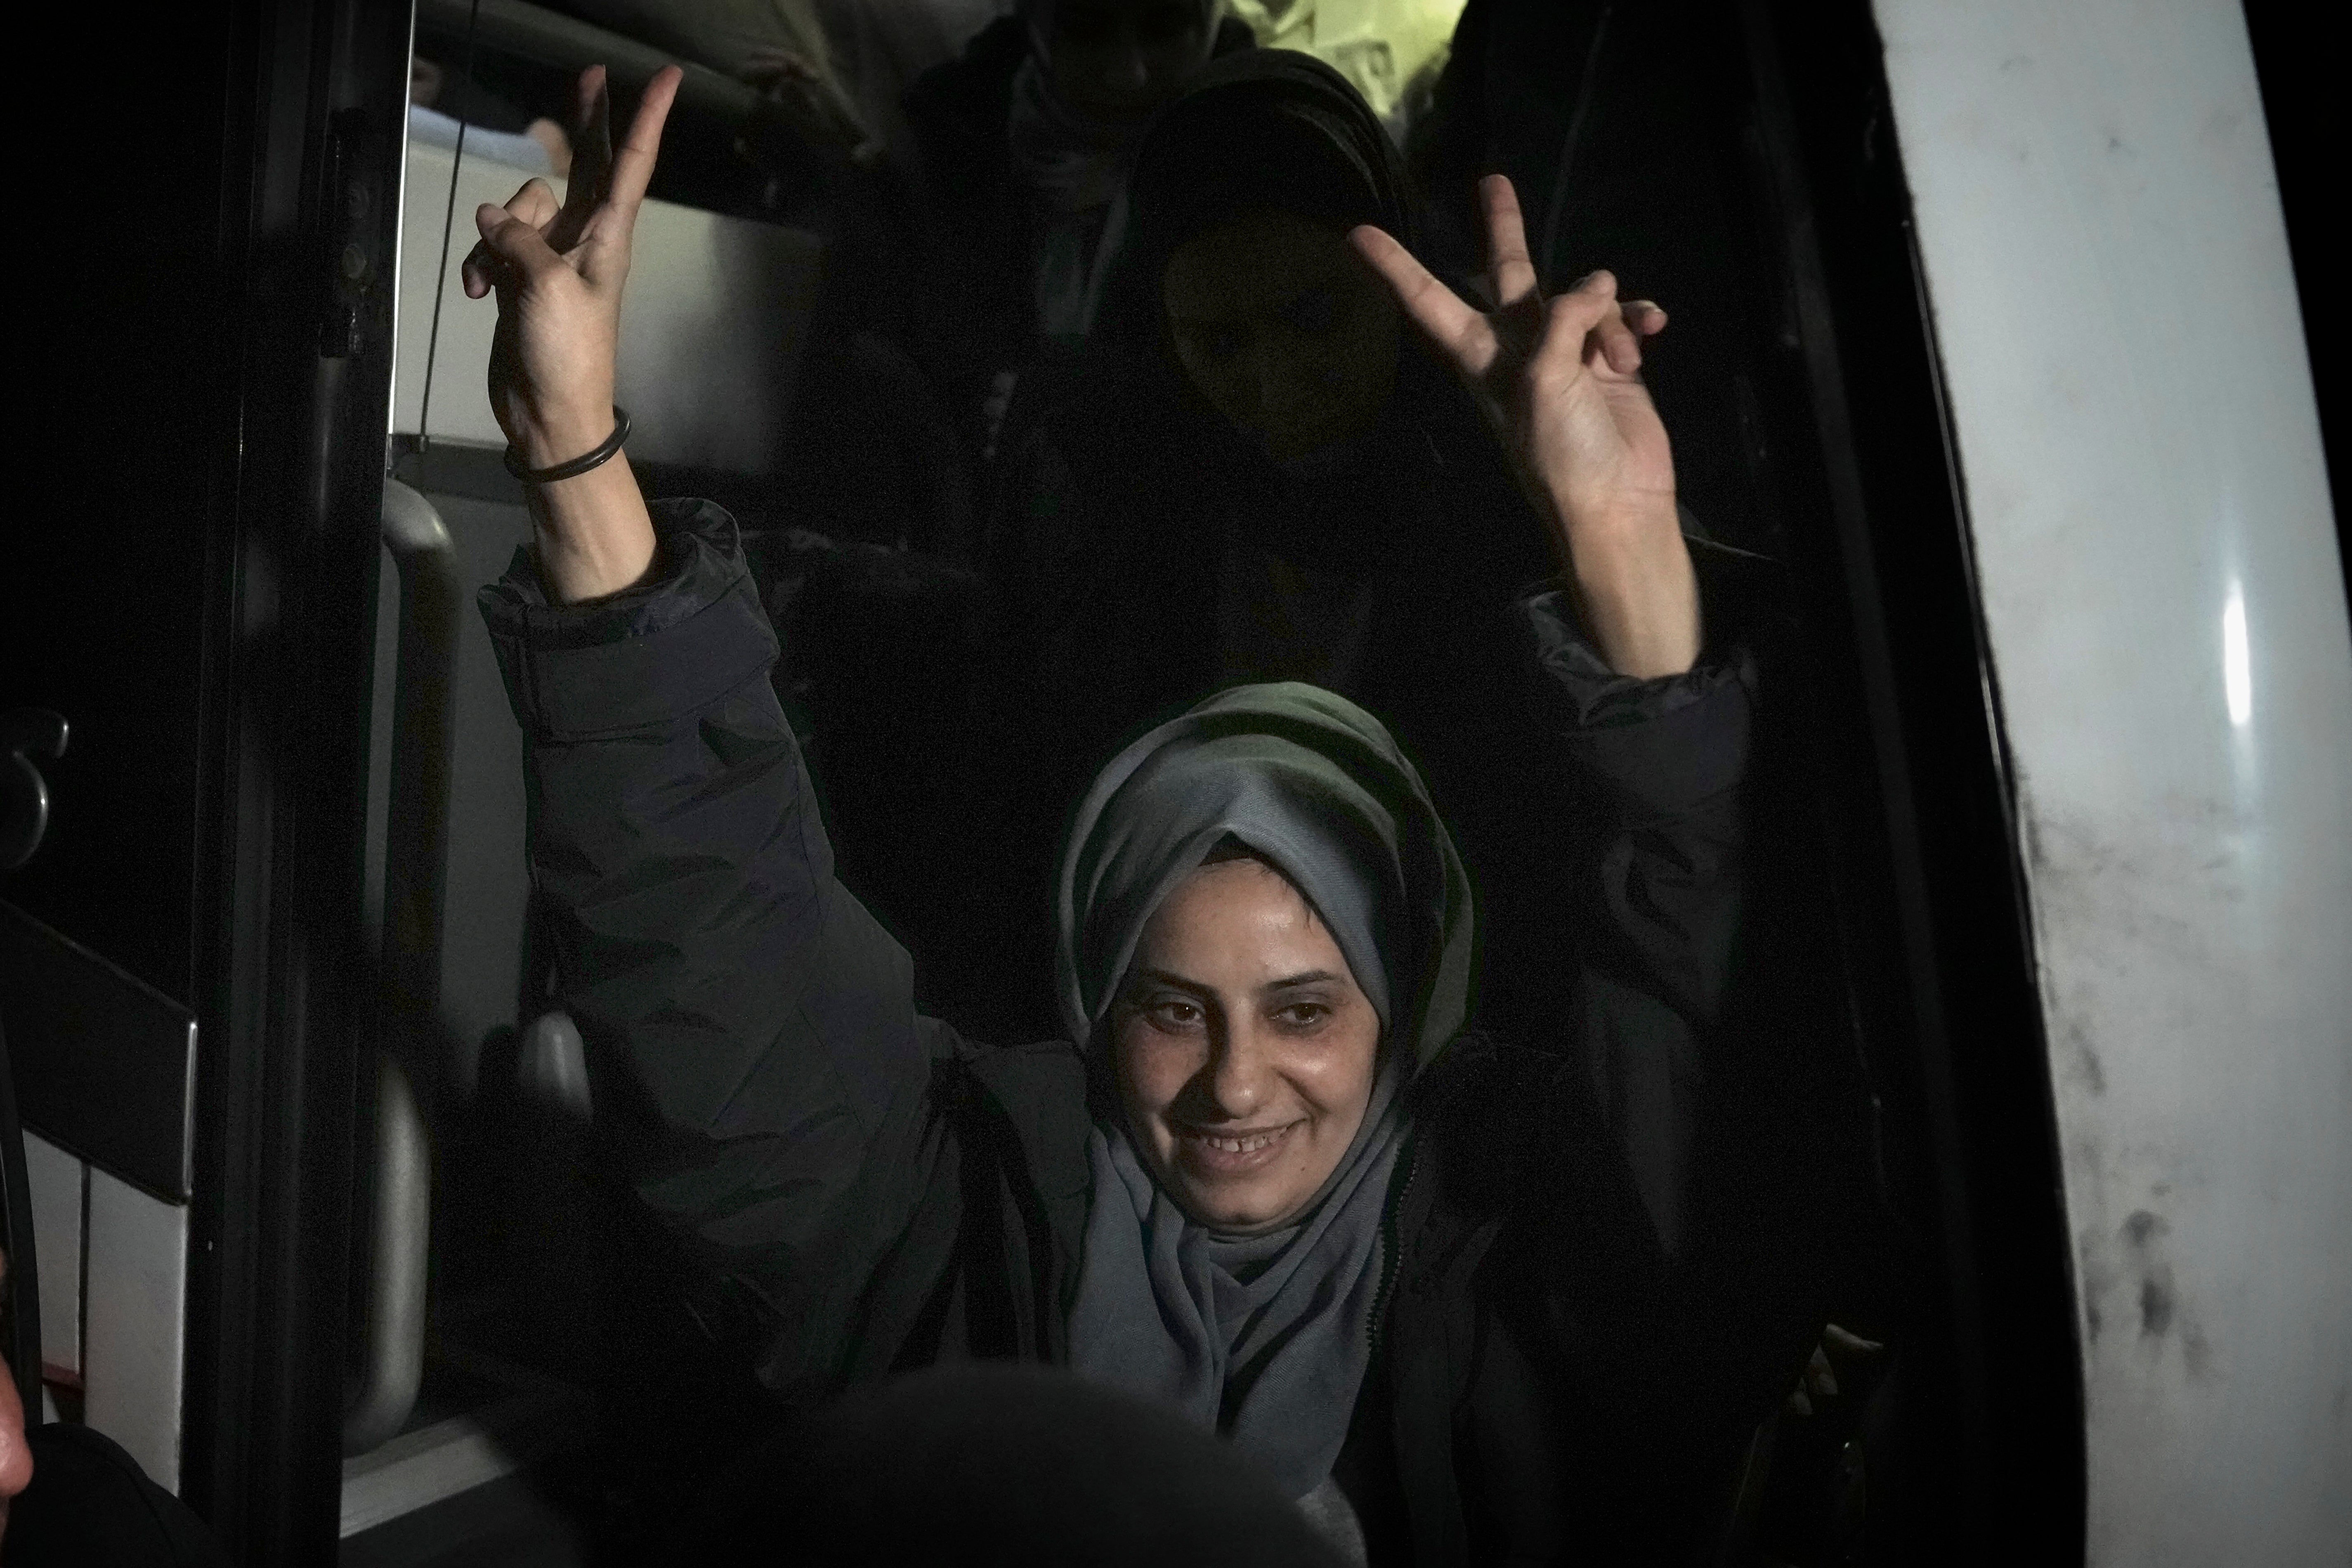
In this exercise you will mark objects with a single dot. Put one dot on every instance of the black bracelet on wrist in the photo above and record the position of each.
(577, 466)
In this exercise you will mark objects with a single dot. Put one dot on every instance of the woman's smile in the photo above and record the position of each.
(1216, 1152)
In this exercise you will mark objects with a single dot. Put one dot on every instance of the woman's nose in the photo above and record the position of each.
(1239, 1074)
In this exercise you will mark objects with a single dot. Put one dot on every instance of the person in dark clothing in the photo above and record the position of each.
(959, 295)
(953, 267)
(69, 1495)
(1256, 471)
(89, 1503)
(991, 1463)
(1270, 1178)
(1019, 148)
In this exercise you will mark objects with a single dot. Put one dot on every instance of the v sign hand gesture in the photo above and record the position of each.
(1560, 381)
(558, 270)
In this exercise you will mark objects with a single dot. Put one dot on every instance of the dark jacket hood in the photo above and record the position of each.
(1260, 130)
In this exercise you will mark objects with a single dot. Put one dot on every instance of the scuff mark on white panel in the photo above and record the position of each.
(2123, 353)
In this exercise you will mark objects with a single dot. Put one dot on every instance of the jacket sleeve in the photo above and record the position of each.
(1654, 772)
(755, 1048)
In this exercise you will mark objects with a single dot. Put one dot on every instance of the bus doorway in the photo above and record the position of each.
(181, 966)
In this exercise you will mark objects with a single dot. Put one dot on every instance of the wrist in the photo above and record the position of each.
(550, 436)
(1589, 537)
(593, 536)
(1629, 573)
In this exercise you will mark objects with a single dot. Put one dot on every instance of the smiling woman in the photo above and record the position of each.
(1269, 1180)
(1267, 930)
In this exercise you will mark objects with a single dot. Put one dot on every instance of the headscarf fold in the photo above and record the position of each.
(1266, 1338)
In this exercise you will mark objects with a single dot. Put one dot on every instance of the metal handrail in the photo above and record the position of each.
(415, 862)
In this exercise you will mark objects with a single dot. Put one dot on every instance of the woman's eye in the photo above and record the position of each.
(1174, 1015)
(1302, 1015)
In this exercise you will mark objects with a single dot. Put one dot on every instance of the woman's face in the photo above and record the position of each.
(1123, 59)
(1245, 1049)
(1284, 329)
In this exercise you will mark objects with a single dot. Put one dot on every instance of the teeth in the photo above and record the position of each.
(1241, 1145)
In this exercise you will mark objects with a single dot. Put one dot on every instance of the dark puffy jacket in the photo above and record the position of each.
(860, 1189)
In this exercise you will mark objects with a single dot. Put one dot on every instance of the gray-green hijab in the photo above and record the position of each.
(1264, 1339)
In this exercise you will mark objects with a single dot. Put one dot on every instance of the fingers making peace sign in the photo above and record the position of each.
(1560, 381)
(558, 270)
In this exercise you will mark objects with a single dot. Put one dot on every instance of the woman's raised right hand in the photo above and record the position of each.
(558, 270)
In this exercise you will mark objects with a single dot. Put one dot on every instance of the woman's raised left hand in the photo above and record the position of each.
(1560, 381)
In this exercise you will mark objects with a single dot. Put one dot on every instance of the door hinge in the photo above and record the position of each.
(354, 206)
